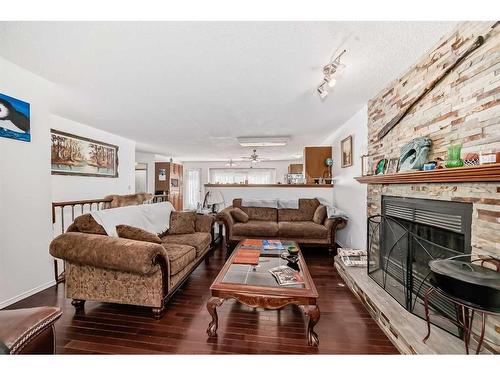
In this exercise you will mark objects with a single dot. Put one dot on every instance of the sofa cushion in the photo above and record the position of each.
(257, 213)
(199, 240)
(138, 234)
(255, 228)
(179, 257)
(239, 215)
(204, 223)
(320, 214)
(302, 229)
(306, 210)
(86, 224)
(182, 222)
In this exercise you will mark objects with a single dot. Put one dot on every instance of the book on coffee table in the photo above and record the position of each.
(247, 256)
(251, 244)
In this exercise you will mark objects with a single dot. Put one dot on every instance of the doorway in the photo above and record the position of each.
(141, 178)
(193, 188)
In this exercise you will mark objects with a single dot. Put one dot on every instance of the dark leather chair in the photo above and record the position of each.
(28, 331)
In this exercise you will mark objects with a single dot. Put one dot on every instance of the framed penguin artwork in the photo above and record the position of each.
(14, 118)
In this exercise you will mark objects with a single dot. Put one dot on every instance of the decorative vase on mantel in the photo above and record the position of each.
(454, 161)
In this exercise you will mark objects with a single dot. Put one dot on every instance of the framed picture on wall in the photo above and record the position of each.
(14, 119)
(346, 152)
(78, 156)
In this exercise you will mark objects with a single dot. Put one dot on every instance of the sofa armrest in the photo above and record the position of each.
(204, 223)
(227, 219)
(337, 222)
(109, 252)
(332, 224)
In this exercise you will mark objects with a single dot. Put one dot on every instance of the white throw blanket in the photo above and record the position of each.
(332, 211)
(154, 218)
(270, 203)
(289, 203)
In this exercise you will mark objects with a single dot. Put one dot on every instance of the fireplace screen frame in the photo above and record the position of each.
(394, 265)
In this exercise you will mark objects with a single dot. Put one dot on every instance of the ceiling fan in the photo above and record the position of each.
(231, 163)
(254, 157)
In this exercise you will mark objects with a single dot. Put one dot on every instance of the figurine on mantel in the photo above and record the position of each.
(454, 153)
(414, 154)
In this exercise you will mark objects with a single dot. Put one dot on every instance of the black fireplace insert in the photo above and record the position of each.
(407, 235)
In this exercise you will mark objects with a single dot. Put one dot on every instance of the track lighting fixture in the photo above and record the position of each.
(335, 67)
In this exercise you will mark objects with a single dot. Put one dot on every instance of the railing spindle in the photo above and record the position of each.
(62, 219)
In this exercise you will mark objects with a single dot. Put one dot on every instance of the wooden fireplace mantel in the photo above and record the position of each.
(480, 173)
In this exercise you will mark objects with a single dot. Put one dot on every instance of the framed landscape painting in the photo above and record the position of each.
(14, 118)
(346, 152)
(74, 155)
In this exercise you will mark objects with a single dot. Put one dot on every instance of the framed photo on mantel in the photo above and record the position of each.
(78, 156)
(346, 152)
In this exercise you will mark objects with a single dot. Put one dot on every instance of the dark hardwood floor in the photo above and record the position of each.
(345, 326)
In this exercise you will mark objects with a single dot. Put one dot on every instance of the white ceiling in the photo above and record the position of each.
(188, 89)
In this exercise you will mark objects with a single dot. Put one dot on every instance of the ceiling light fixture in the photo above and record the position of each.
(231, 163)
(262, 141)
(334, 67)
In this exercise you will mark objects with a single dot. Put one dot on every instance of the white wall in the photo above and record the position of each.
(348, 194)
(25, 195)
(84, 187)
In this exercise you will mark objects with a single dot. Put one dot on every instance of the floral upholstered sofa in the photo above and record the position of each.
(305, 221)
(133, 266)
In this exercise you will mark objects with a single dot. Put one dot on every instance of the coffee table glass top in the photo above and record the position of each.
(259, 275)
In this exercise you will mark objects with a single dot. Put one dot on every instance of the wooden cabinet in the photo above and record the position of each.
(314, 161)
(295, 168)
(169, 180)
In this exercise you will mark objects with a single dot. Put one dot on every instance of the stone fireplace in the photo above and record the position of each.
(463, 108)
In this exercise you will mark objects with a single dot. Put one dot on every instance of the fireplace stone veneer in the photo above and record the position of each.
(464, 108)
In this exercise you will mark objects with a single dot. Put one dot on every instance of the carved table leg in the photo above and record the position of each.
(313, 312)
(212, 304)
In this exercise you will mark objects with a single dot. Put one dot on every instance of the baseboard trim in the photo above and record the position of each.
(26, 294)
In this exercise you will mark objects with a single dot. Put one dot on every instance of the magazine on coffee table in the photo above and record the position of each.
(285, 275)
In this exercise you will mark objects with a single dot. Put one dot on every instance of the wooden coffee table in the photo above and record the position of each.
(255, 286)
